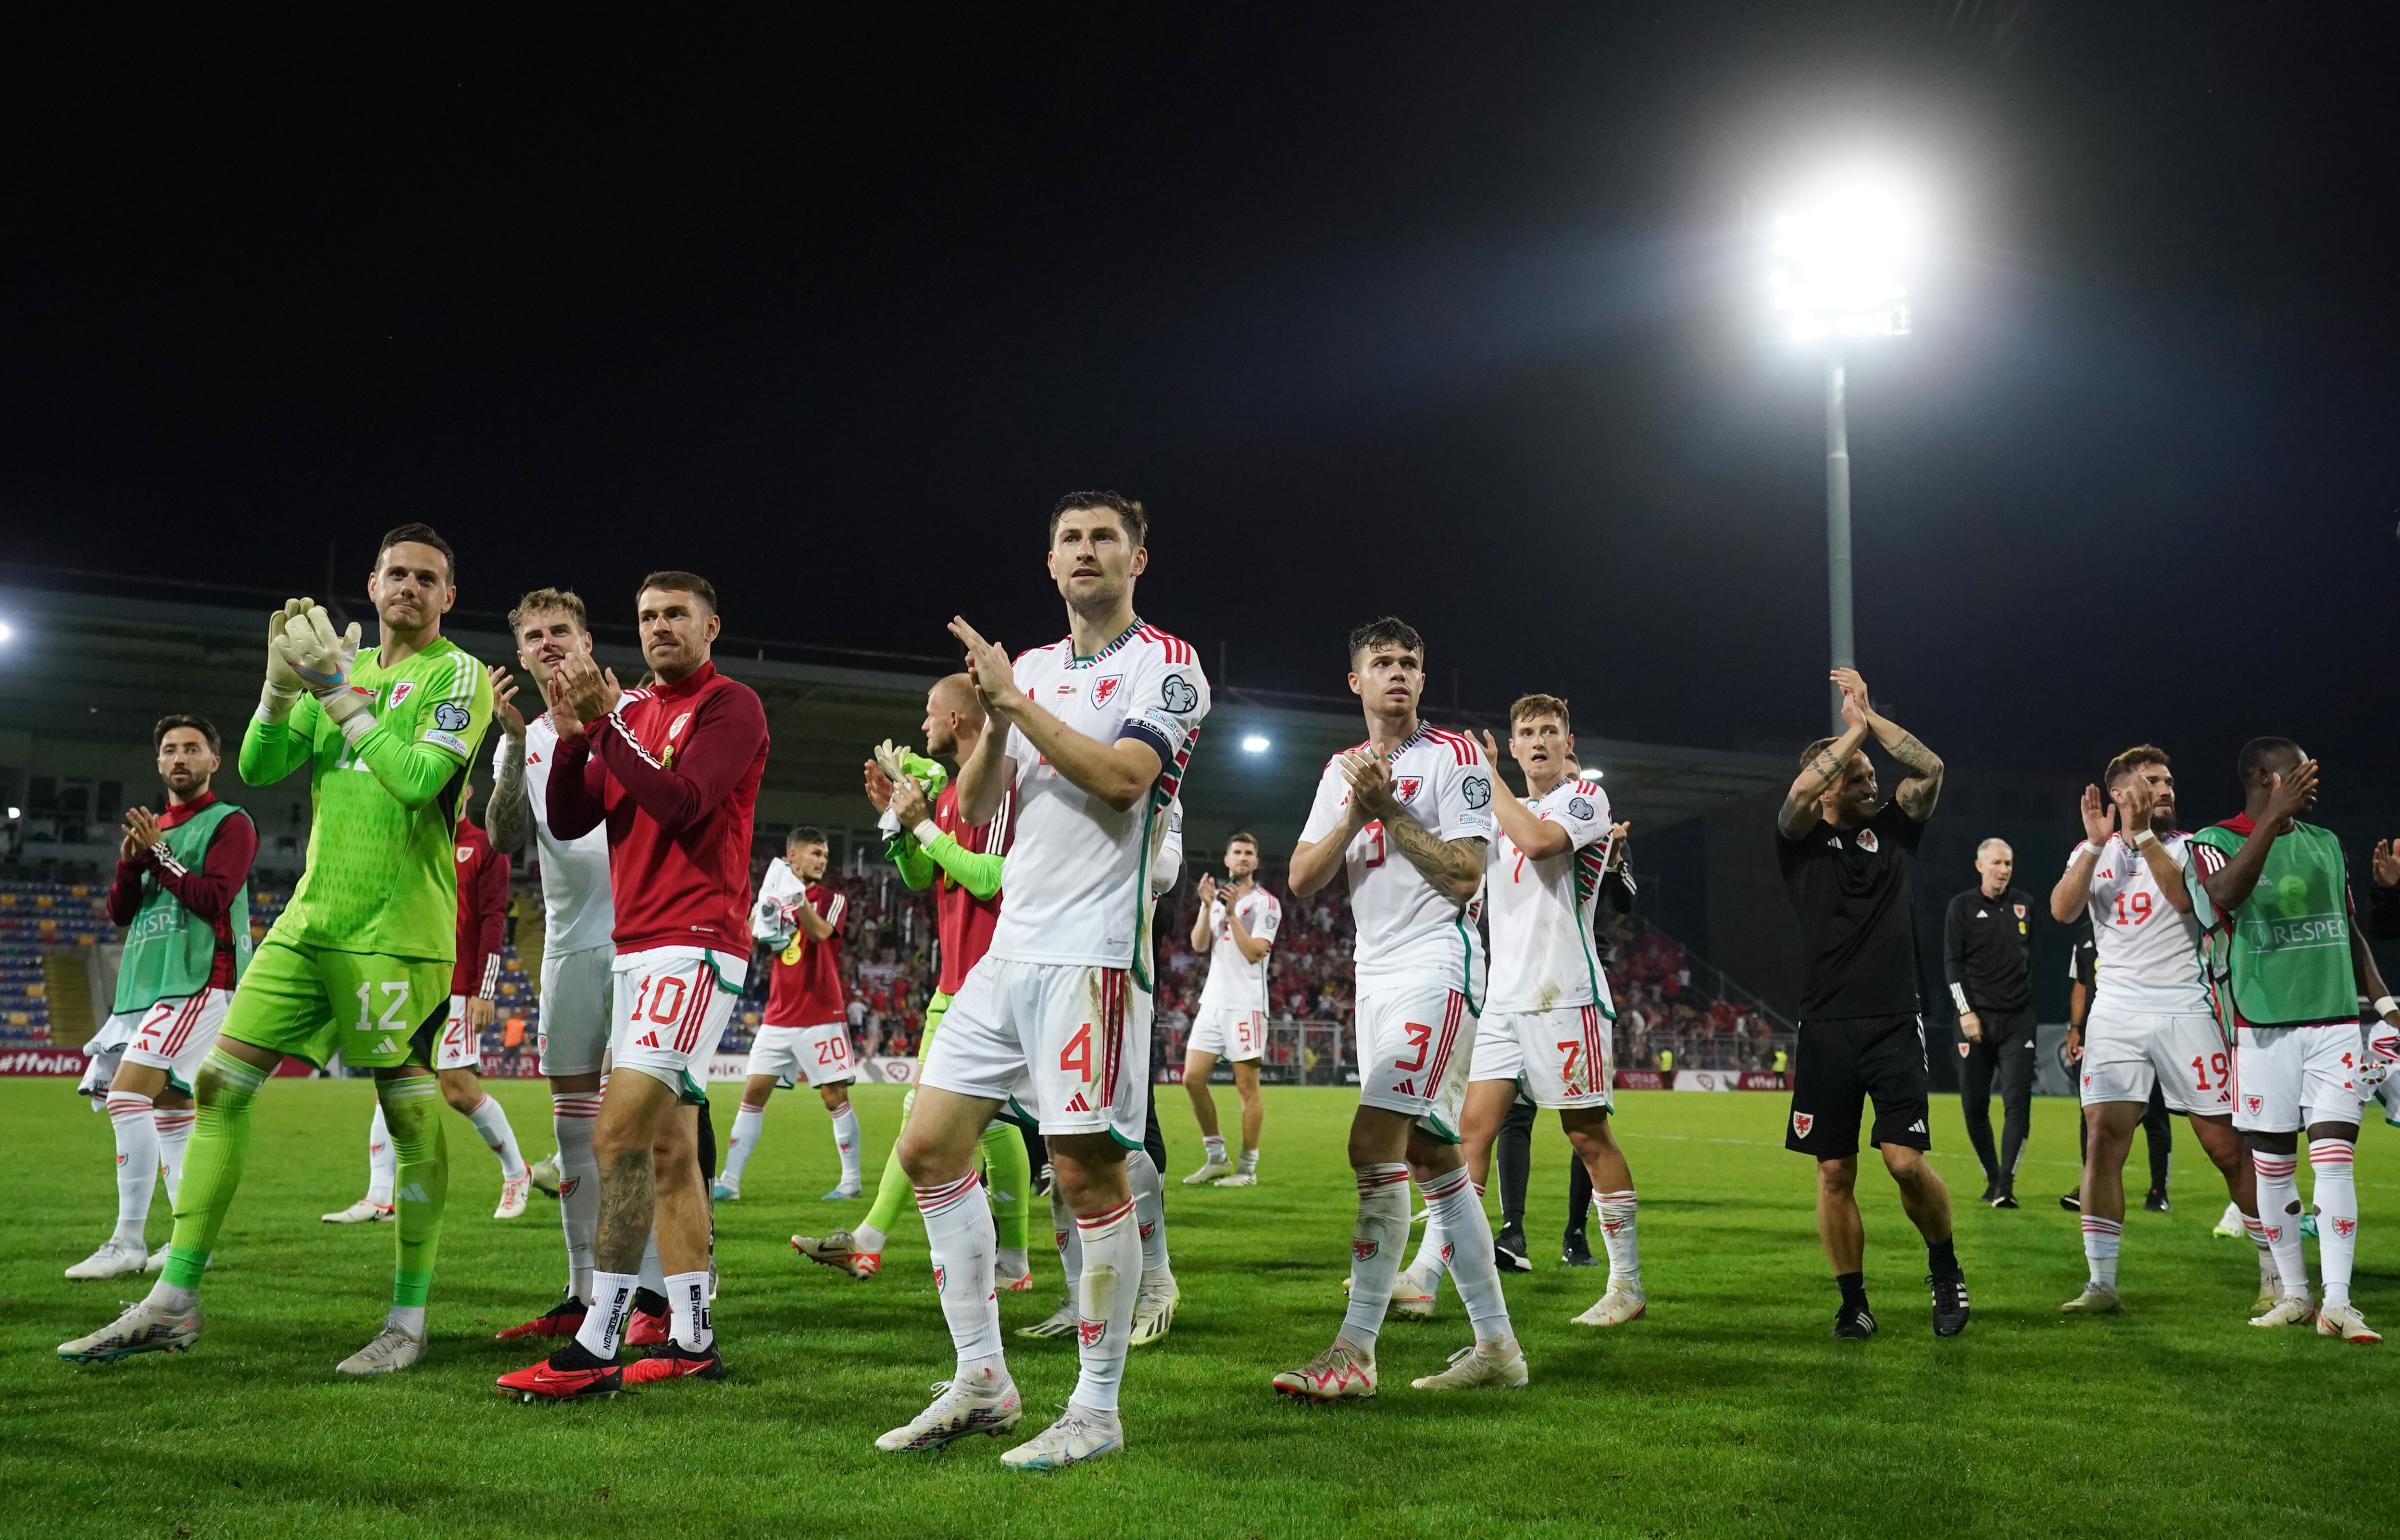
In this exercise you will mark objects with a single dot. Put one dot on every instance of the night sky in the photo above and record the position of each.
(1443, 310)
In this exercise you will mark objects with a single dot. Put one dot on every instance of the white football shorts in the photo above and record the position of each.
(174, 1034)
(2126, 1051)
(1563, 1058)
(575, 1016)
(1415, 1044)
(1229, 1035)
(2286, 1078)
(1069, 1042)
(460, 1046)
(807, 1056)
(672, 1005)
(104, 1050)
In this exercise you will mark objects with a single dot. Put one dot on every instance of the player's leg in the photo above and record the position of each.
(2268, 1070)
(1575, 1246)
(2332, 1103)
(774, 1054)
(1254, 1118)
(462, 1087)
(1977, 1063)
(835, 1093)
(1512, 1159)
(2158, 1127)
(1494, 1360)
(2108, 1126)
(133, 1120)
(859, 1251)
(1603, 1162)
(1827, 1102)
(1895, 1073)
(1486, 1105)
(173, 1114)
(1157, 1294)
(159, 1061)
(410, 1097)
(2015, 1079)
(968, 1073)
(2224, 1148)
(1008, 1181)
(680, 1231)
(1201, 1051)
(577, 990)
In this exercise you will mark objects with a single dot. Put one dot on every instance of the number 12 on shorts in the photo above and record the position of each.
(395, 1003)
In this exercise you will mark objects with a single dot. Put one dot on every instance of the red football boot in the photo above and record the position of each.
(677, 1363)
(563, 1319)
(646, 1325)
(572, 1373)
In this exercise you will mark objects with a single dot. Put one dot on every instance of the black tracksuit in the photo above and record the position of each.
(1987, 959)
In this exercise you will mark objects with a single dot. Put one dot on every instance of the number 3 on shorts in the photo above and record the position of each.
(395, 1006)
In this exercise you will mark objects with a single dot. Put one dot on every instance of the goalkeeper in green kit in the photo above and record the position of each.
(359, 962)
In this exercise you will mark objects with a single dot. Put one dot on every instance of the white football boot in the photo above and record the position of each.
(2228, 1223)
(364, 1211)
(1340, 1373)
(957, 1412)
(1239, 1178)
(1480, 1367)
(392, 1349)
(1078, 1435)
(1623, 1302)
(158, 1259)
(513, 1196)
(1154, 1311)
(1058, 1323)
(1411, 1300)
(2345, 1322)
(1209, 1172)
(544, 1174)
(2097, 1299)
(2291, 1309)
(145, 1327)
(114, 1259)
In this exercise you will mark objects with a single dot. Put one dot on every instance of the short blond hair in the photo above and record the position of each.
(1540, 705)
(542, 599)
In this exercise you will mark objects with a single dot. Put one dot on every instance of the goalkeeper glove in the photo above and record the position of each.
(282, 691)
(322, 660)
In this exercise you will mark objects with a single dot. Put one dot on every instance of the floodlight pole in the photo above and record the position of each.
(1837, 527)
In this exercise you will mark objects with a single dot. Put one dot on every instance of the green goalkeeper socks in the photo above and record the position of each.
(892, 1194)
(225, 1091)
(411, 1107)
(1008, 1181)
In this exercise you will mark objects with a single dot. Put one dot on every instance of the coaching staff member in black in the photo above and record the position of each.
(1847, 863)
(1987, 958)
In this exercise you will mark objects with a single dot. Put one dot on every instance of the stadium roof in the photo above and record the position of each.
(87, 673)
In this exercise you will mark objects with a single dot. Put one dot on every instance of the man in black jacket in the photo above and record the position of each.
(1987, 958)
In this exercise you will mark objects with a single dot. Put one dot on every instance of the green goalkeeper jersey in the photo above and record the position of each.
(382, 870)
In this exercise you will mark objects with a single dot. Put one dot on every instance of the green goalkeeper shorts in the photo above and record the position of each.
(312, 1003)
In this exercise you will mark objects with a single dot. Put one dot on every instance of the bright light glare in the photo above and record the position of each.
(7, 633)
(1836, 264)
(15, 813)
(1255, 745)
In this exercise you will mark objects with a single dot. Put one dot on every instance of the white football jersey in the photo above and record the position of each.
(1407, 932)
(578, 911)
(1543, 955)
(1236, 982)
(1078, 871)
(2148, 954)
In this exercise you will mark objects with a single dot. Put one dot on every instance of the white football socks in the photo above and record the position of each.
(383, 1161)
(747, 1123)
(1458, 1208)
(959, 1234)
(2279, 1211)
(131, 1120)
(491, 1121)
(1104, 1299)
(1069, 1239)
(1375, 1243)
(571, 1116)
(1215, 1145)
(1249, 1163)
(689, 1321)
(1617, 1211)
(868, 1238)
(612, 1307)
(653, 1276)
(845, 1143)
(2335, 1192)
(2101, 1238)
(1149, 1213)
(174, 1127)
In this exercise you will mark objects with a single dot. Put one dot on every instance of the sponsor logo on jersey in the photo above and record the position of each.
(1105, 689)
(1408, 786)
(450, 717)
(402, 691)
(1801, 1123)
(1178, 694)
(1867, 840)
(1579, 807)
(1088, 1333)
(1475, 790)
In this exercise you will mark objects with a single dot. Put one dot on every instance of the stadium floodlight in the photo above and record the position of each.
(8, 633)
(1834, 264)
(1255, 743)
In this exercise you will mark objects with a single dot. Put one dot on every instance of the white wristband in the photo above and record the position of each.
(926, 831)
(2384, 1006)
(2144, 839)
(2086, 847)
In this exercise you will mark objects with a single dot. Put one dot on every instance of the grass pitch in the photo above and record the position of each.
(1728, 1410)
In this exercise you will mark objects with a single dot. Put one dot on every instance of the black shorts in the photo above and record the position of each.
(1840, 1064)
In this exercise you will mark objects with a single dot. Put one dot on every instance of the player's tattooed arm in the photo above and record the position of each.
(1801, 811)
(1916, 795)
(509, 816)
(1455, 866)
